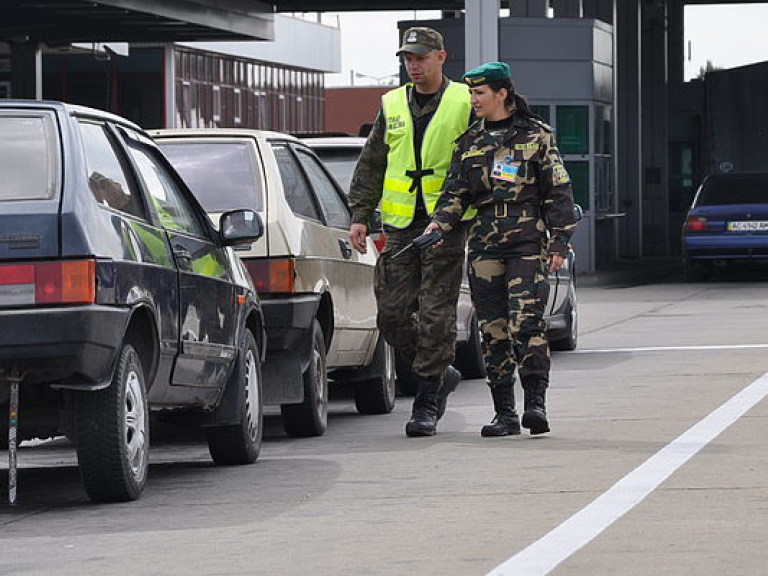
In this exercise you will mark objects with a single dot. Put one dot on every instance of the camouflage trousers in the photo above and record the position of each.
(510, 295)
(416, 295)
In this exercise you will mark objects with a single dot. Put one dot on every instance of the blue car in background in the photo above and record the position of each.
(726, 224)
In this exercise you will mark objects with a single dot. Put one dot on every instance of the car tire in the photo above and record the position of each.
(469, 355)
(571, 338)
(377, 395)
(241, 443)
(113, 434)
(310, 417)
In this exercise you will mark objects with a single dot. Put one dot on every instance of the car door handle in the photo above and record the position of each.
(183, 256)
(346, 251)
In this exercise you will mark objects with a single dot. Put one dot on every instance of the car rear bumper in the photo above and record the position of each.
(723, 247)
(288, 321)
(72, 347)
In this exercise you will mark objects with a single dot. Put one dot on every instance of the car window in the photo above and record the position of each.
(744, 189)
(340, 162)
(222, 175)
(106, 177)
(29, 157)
(173, 209)
(297, 191)
(331, 203)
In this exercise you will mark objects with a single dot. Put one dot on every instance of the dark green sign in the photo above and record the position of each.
(573, 129)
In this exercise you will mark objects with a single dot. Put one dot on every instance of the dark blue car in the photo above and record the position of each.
(726, 224)
(118, 296)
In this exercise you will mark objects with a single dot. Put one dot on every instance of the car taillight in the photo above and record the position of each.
(695, 224)
(270, 276)
(65, 282)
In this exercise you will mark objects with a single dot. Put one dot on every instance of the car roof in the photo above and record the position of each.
(71, 109)
(353, 142)
(221, 133)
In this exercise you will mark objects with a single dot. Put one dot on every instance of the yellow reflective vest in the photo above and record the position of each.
(398, 200)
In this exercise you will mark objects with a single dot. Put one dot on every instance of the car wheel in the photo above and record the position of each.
(469, 354)
(310, 418)
(241, 443)
(571, 338)
(113, 434)
(377, 395)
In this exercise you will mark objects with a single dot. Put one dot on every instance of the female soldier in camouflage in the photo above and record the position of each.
(508, 167)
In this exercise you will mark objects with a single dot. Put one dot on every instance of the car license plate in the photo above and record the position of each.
(748, 226)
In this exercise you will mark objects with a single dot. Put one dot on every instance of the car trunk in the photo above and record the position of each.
(721, 218)
(27, 234)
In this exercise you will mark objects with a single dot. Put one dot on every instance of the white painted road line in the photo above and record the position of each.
(547, 553)
(668, 349)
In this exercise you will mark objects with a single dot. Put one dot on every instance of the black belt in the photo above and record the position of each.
(508, 210)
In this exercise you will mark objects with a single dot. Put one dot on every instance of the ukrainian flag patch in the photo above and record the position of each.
(560, 175)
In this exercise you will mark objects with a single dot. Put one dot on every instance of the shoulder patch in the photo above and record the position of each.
(560, 175)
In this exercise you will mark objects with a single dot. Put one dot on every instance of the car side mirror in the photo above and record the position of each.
(578, 212)
(374, 223)
(240, 227)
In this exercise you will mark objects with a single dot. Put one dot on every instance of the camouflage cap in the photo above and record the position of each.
(487, 73)
(421, 41)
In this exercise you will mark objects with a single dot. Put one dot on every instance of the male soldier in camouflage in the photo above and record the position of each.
(402, 168)
(508, 167)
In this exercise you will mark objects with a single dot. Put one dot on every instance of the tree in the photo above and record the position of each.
(703, 70)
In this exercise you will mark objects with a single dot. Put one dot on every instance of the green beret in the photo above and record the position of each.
(487, 73)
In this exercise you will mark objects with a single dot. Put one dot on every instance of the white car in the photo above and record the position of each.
(340, 154)
(316, 290)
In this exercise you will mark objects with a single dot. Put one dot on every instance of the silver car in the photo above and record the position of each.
(319, 308)
(340, 154)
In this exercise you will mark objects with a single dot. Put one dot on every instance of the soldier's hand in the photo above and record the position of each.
(357, 234)
(555, 262)
(431, 227)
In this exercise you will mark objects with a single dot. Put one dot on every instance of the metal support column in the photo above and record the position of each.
(676, 40)
(654, 128)
(26, 70)
(629, 157)
(481, 32)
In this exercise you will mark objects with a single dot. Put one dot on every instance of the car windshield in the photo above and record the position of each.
(340, 162)
(222, 175)
(28, 158)
(741, 189)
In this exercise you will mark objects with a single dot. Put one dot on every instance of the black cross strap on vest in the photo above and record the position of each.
(417, 175)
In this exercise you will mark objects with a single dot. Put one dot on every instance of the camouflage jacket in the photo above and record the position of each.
(520, 167)
(367, 184)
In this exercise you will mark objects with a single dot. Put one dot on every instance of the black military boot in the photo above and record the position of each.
(423, 420)
(506, 422)
(535, 415)
(451, 379)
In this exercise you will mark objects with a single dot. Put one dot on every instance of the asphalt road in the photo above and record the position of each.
(655, 465)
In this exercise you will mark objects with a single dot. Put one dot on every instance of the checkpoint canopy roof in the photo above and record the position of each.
(58, 22)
